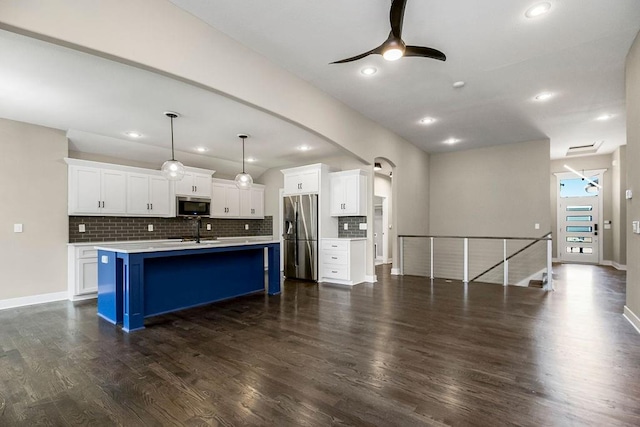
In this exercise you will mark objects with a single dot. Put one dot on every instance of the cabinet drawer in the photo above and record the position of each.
(333, 271)
(87, 252)
(336, 257)
(335, 245)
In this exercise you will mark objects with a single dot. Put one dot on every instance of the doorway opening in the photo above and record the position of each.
(383, 233)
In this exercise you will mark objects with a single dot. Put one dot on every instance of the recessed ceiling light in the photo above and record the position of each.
(451, 141)
(427, 120)
(604, 117)
(133, 134)
(538, 10)
(251, 160)
(369, 71)
(377, 166)
(304, 148)
(458, 84)
(201, 149)
(544, 96)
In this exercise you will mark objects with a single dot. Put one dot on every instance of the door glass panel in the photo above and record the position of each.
(580, 218)
(579, 208)
(579, 250)
(578, 187)
(579, 229)
(576, 239)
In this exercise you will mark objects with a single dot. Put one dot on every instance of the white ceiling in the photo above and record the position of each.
(96, 101)
(577, 51)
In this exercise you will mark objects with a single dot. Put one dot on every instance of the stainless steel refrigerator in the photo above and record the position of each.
(300, 233)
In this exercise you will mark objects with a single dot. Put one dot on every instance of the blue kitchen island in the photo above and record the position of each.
(139, 280)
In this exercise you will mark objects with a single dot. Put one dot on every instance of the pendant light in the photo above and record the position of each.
(243, 180)
(172, 169)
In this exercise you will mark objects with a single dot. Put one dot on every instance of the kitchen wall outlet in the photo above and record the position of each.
(208, 227)
(246, 226)
(628, 194)
(150, 227)
(363, 226)
(345, 226)
(536, 226)
(17, 228)
(635, 225)
(82, 228)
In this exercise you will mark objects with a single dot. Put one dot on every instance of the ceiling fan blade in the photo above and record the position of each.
(377, 51)
(426, 52)
(396, 16)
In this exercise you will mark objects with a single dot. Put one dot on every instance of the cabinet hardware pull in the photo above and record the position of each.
(333, 271)
(334, 246)
(334, 257)
(103, 204)
(151, 206)
(98, 203)
(147, 206)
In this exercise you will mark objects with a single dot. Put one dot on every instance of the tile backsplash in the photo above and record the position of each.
(353, 223)
(111, 229)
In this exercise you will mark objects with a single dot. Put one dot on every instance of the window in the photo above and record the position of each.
(578, 187)
(579, 250)
(579, 208)
(576, 239)
(580, 218)
(579, 229)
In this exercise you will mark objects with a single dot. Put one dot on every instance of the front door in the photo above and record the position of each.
(578, 220)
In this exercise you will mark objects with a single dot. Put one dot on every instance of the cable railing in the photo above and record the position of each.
(500, 260)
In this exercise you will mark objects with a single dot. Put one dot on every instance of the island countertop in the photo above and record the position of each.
(162, 246)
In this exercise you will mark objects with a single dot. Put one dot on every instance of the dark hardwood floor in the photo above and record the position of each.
(402, 352)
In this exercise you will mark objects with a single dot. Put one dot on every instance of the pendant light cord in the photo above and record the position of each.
(173, 156)
(242, 155)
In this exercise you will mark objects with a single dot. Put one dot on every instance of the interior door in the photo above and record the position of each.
(578, 221)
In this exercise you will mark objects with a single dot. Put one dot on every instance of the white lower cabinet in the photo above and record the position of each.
(343, 261)
(82, 272)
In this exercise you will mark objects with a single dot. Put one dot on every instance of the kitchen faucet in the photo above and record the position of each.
(198, 225)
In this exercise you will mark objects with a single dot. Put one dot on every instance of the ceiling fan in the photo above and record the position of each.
(394, 48)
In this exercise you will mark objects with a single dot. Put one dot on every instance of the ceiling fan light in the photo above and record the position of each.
(393, 54)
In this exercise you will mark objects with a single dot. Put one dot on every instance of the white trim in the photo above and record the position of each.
(632, 318)
(395, 271)
(34, 299)
(535, 276)
(371, 279)
(621, 267)
(556, 260)
(83, 297)
(606, 262)
(389, 261)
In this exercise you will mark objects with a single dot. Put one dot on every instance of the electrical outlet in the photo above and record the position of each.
(363, 226)
(82, 228)
(246, 226)
(150, 227)
(17, 228)
(208, 227)
(345, 226)
(536, 226)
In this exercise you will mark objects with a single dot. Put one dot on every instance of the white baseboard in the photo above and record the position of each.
(395, 271)
(389, 261)
(34, 299)
(620, 267)
(83, 297)
(606, 262)
(534, 276)
(555, 260)
(371, 279)
(632, 318)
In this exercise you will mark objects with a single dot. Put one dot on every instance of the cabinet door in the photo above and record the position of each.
(185, 185)
(245, 203)
(87, 276)
(310, 182)
(202, 185)
(351, 195)
(137, 194)
(218, 200)
(114, 192)
(85, 190)
(337, 200)
(257, 202)
(159, 196)
(233, 200)
(292, 184)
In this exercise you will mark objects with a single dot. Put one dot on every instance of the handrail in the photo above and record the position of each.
(537, 239)
(513, 255)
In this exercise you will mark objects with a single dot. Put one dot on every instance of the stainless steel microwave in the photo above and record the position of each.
(192, 206)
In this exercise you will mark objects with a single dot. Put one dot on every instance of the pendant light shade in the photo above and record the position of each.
(172, 169)
(244, 181)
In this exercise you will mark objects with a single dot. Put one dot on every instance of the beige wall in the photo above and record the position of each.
(587, 163)
(633, 176)
(494, 191)
(33, 190)
(243, 75)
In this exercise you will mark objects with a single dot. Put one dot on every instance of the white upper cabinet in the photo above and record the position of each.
(148, 195)
(252, 202)
(225, 199)
(301, 180)
(194, 184)
(96, 191)
(348, 193)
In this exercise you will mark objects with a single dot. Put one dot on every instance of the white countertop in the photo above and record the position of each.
(204, 239)
(174, 245)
